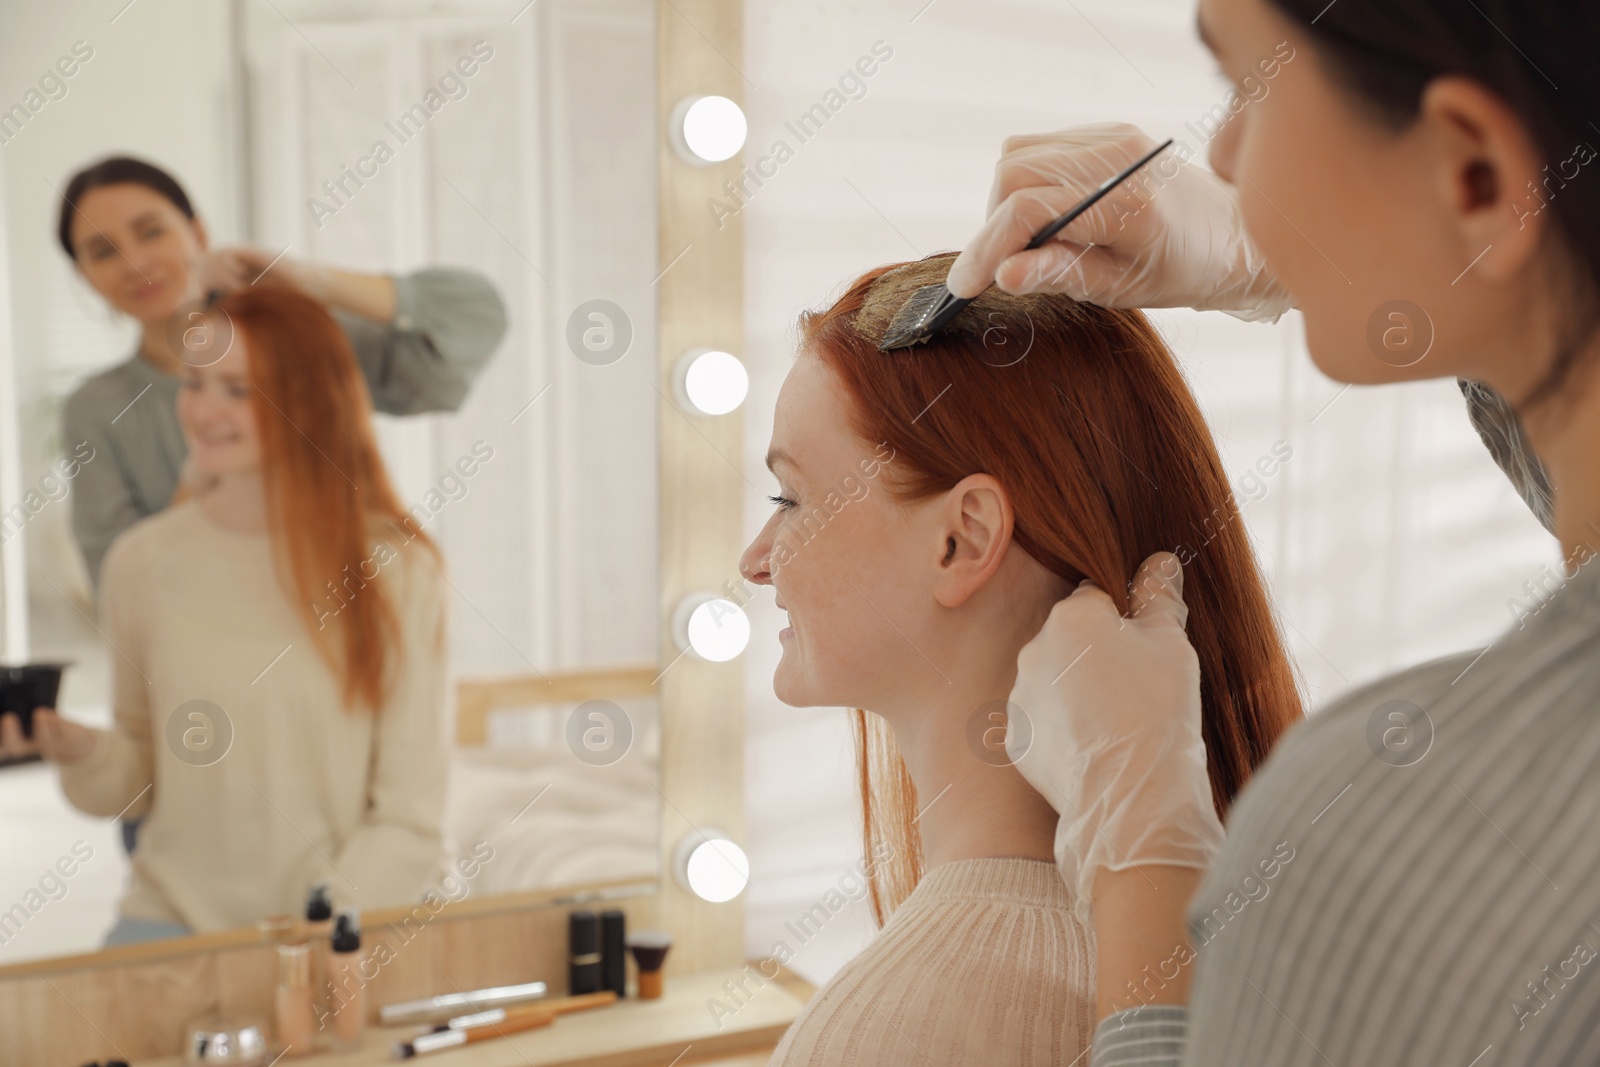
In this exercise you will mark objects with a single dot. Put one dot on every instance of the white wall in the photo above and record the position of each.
(1389, 537)
(173, 112)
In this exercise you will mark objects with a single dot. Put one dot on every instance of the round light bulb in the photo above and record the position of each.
(711, 627)
(711, 866)
(714, 382)
(709, 129)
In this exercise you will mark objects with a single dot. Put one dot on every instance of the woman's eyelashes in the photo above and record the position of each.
(782, 503)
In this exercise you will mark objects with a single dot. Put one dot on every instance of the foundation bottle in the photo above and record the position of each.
(296, 1022)
(347, 995)
(318, 927)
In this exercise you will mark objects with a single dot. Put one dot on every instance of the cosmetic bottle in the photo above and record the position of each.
(317, 929)
(583, 941)
(347, 996)
(296, 1022)
(613, 952)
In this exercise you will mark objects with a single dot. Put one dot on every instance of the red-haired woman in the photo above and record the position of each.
(934, 505)
(279, 656)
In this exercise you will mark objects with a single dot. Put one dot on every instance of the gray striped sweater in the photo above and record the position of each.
(1412, 876)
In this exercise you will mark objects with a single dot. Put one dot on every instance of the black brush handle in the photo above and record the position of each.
(1094, 198)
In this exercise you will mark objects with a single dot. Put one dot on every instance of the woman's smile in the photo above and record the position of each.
(149, 290)
(217, 439)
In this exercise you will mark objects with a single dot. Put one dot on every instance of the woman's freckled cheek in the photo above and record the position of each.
(818, 560)
(805, 565)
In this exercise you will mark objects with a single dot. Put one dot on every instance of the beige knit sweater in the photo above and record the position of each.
(305, 790)
(983, 964)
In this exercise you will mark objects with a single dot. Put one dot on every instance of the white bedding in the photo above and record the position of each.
(588, 824)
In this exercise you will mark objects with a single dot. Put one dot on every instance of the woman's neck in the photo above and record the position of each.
(974, 803)
(156, 350)
(236, 502)
(1565, 434)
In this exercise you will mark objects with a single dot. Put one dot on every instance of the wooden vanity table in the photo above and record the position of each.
(677, 1028)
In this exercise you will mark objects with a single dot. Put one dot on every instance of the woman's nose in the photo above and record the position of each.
(753, 564)
(205, 410)
(143, 261)
(1224, 148)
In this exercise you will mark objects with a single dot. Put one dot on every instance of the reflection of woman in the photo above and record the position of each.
(279, 650)
(934, 505)
(131, 232)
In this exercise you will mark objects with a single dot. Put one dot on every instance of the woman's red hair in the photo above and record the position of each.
(1083, 417)
(328, 494)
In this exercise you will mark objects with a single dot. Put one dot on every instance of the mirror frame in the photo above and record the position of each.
(700, 305)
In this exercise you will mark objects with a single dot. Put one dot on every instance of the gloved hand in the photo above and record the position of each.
(1116, 747)
(240, 266)
(1169, 236)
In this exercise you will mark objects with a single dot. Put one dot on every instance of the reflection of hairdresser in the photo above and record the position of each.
(279, 667)
(130, 230)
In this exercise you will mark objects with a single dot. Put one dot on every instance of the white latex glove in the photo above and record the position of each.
(1116, 747)
(1169, 236)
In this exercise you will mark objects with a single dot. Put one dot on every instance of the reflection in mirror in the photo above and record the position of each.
(330, 462)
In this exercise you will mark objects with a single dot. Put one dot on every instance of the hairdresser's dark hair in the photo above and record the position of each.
(116, 170)
(1536, 55)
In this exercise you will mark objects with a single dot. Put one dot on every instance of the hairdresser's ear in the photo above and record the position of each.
(1488, 173)
(975, 526)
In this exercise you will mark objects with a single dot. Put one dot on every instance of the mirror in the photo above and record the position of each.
(516, 141)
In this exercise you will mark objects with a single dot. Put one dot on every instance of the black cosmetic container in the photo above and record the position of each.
(583, 943)
(614, 952)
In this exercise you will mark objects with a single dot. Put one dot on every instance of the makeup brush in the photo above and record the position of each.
(557, 1006)
(439, 1040)
(649, 948)
(930, 309)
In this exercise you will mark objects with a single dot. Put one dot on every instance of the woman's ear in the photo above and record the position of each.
(975, 527)
(1490, 174)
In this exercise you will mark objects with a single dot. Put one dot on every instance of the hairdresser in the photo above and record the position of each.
(1410, 877)
(132, 233)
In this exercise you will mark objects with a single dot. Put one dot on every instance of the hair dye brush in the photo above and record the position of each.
(930, 309)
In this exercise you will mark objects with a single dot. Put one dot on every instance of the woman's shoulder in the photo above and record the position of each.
(1346, 754)
(970, 937)
(1420, 684)
(110, 388)
(1006, 881)
(972, 919)
(1382, 718)
(168, 533)
(151, 558)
